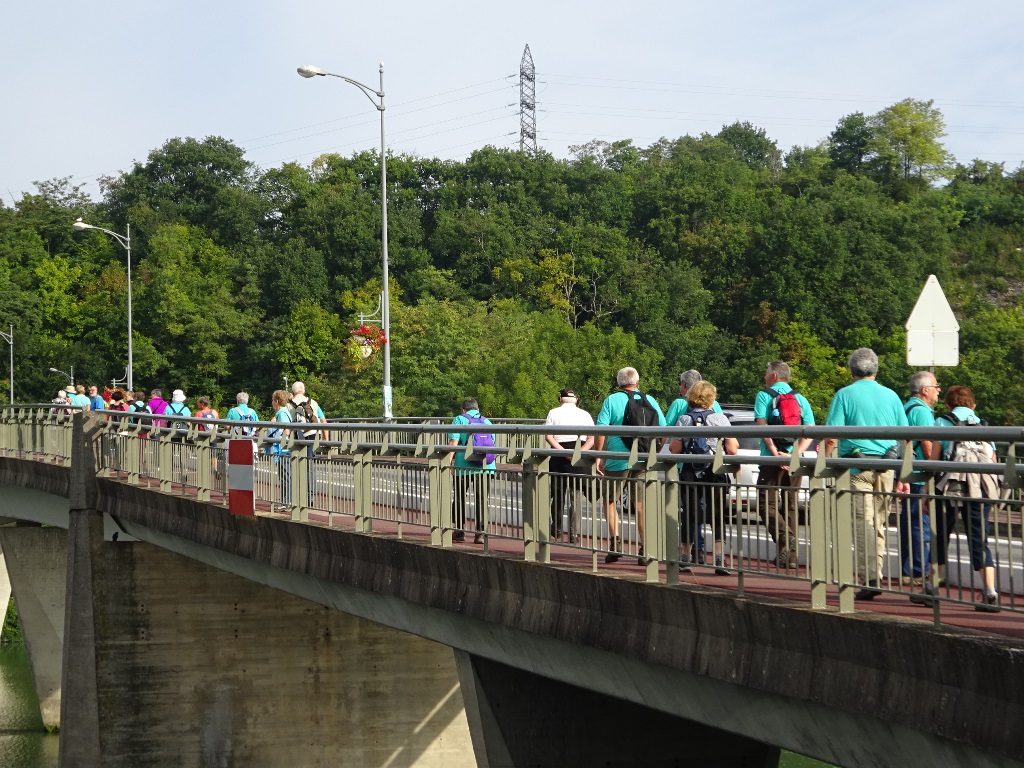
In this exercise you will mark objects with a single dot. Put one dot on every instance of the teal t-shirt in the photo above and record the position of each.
(866, 403)
(241, 413)
(460, 458)
(612, 411)
(919, 414)
(763, 402)
(680, 406)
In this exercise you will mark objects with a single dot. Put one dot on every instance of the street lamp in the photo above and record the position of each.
(385, 315)
(69, 376)
(126, 241)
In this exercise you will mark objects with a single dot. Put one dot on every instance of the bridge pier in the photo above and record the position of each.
(519, 719)
(178, 663)
(36, 560)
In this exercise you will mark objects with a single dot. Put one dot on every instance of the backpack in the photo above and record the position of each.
(249, 415)
(180, 426)
(958, 483)
(303, 414)
(140, 406)
(209, 413)
(480, 440)
(639, 413)
(697, 446)
(784, 410)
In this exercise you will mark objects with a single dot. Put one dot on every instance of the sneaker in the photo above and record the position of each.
(870, 592)
(720, 569)
(613, 555)
(459, 536)
(640, 559)
(925, 597)
(479, 538)
(991, 604)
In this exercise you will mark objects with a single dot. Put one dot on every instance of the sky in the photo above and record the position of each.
(90, 89)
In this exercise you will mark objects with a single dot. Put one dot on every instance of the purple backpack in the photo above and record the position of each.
(480, 440)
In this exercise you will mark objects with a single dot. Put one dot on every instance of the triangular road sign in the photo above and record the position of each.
(932, 311)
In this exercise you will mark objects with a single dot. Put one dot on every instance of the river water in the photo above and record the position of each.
(24, 743)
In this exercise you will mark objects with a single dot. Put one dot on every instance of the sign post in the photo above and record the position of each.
(933, 334)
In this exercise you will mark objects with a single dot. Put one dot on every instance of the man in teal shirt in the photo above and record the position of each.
(915, 525)
(468, 475)
(681, 405)
(867, 403)
(771, 480)
(613, 411)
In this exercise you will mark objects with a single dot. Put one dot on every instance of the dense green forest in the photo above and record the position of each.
(515, 274)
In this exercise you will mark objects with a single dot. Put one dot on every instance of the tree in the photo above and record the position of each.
(849, 145)
(906, 136)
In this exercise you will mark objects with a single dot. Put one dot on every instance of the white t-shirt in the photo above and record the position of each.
(568, 414)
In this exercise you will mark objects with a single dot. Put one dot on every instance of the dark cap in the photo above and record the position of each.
(567, 393)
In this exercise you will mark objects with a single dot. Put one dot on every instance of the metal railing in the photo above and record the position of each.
(825, 530)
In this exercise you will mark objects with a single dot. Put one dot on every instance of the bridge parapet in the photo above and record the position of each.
(397, 477)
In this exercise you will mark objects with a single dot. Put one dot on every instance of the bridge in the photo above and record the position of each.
(339, 623)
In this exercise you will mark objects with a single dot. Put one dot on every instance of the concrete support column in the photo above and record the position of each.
(37, 566)
(520, 720)
(193, 666)
(5, 589)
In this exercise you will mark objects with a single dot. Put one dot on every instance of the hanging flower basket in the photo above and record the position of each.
(362, 343)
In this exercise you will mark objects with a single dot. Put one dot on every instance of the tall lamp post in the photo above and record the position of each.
(126, 241)
(376, 98)
(9, 338)
(69, 376)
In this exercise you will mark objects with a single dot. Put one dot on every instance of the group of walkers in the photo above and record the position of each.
(705, 496)
(288, 407)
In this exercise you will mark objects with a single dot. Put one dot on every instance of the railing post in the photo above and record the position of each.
(536, 501)
(654, 518)
(363, 481)
(439, 484)
(670, 516)
(204, 466)
(818, 556)
(843, 546)
(299, 464)
(165, 454)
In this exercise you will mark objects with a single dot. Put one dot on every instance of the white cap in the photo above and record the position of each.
(177, 396)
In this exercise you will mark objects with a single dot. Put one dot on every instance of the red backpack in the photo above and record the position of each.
(783, 411)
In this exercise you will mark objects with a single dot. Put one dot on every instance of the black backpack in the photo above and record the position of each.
(639, 413)
(697, 446)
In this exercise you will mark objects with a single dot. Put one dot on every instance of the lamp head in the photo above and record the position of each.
(54, 370)
(309, 70)
(80, 225)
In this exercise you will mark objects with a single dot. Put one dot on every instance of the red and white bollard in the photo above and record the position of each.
(241, 478)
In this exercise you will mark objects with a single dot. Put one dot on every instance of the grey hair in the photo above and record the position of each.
(863, 363)
(627, 377)
(470, 404)
(298, 388)
(919, 381)
(242, 398)
(690, 377)
(780, 369)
